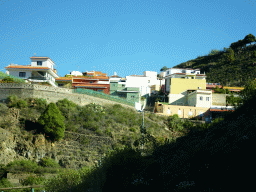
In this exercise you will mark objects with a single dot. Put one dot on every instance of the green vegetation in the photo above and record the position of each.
(52, 122)
(10, 79)
(190, 163)
(232, 66)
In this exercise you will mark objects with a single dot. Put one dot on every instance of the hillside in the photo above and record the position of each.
(90, 132)
(231, 66)
(218, 158)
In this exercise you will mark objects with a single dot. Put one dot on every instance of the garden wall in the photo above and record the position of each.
(51, 94)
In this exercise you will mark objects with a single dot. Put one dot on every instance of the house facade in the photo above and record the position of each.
(95, 83)
(40, 70)
(118, 89)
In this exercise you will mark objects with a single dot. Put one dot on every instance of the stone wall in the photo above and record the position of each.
(51, 94)
(218, 99)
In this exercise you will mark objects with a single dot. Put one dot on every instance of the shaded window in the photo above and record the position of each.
(22, 74)
(201, 98)
(39, 63)
(207, 98)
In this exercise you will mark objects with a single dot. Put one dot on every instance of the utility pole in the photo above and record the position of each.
(142, 130)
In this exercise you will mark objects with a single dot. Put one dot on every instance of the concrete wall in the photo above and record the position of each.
(180, 85)
(51, 94)
(182, 111)
(177, 99)
(15, 72)
(218, 99)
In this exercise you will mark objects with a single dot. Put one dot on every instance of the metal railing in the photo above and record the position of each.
(103, 95)
(24, 187)
(39, 78)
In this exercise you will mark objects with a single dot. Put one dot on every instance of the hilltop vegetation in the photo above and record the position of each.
(232, 66)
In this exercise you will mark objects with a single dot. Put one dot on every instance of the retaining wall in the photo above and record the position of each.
(51, 94)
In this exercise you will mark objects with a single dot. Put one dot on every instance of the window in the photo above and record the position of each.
(167, 72)
(91, 82)
(148, 81)
(132, 96)
(207, 98)
(22, 74)
(100, 90)
(39, 63)
(193, 77)
(201, 98)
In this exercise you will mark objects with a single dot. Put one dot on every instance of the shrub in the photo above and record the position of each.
(3, 109)
(21, 104)
(53, 122)
(8, 80)
(21, 166)
(132, 129)
(48, 162)
(31, 180)
(12, 101)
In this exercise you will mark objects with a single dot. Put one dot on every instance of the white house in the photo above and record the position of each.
(40, 70)
(76, 73)
(145, 82)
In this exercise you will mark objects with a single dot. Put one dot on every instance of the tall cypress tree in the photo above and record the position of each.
(52, 122)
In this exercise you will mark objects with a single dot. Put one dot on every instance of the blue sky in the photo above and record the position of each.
(123, 36)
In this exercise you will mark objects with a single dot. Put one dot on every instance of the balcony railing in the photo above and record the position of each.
(39, 78)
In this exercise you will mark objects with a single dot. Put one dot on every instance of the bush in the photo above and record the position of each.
(8, 80)
(31, 180)
(21, 166)
(21, 104)
(48, 162)
(3, 109)
(52, 122)
(12, 101)
(132, 129)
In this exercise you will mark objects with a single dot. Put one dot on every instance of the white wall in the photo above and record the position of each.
(203, 103)
(45, 63)
(16, 73)
(76, 73)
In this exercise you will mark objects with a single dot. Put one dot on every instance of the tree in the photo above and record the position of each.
(214, 52)
(52, 122)
(249, 90)
(164, 68)
(249, 38)
(229, 55)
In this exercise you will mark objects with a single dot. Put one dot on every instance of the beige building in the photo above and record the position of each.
(182, 111)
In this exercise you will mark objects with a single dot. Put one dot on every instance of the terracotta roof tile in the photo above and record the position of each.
(24, 67)
(220, 110)
(89, 85)
(63, 78)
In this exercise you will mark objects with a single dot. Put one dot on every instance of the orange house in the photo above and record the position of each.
(95, 83)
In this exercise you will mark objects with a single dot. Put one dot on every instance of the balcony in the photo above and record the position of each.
(39, 78)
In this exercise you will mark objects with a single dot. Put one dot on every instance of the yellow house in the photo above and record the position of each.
(188, 89)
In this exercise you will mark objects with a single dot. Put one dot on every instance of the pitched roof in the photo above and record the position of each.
(90, 85)
(94, 77)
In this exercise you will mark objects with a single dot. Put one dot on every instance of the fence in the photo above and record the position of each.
(102, 95)
(24, 187)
